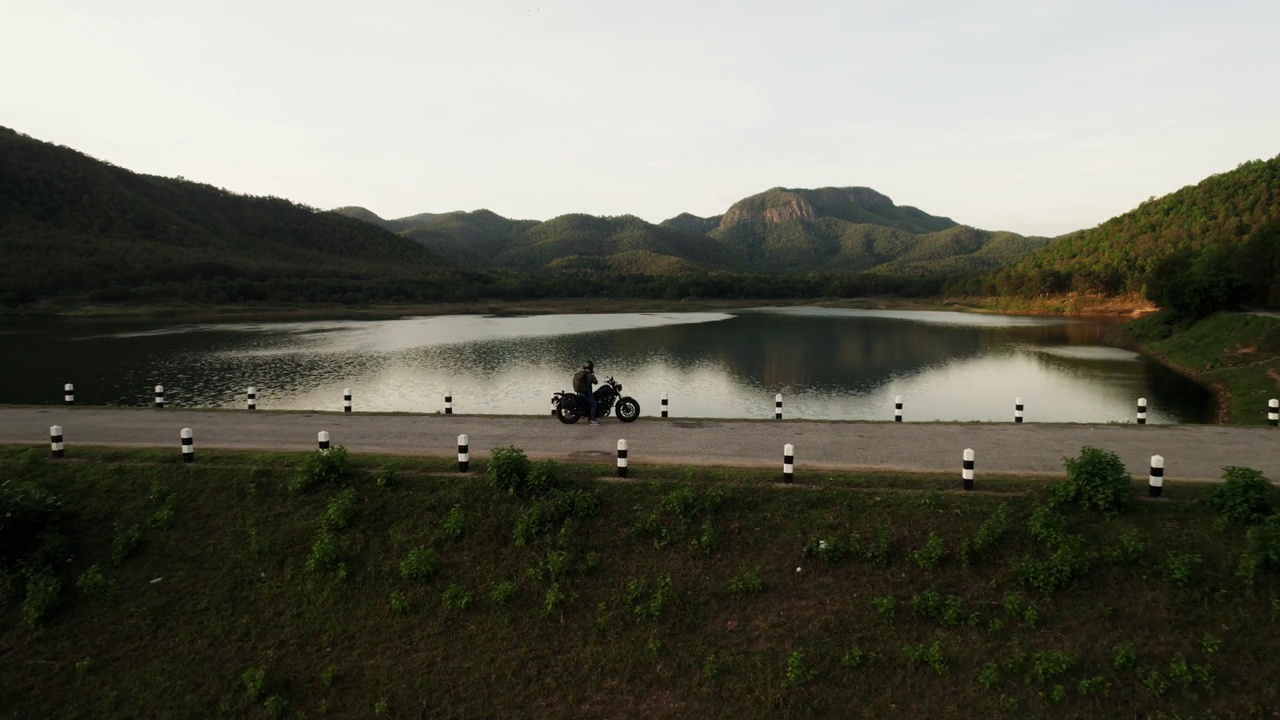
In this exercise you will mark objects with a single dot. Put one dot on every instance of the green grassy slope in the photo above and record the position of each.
(676, 593)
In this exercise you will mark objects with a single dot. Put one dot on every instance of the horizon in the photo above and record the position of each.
(1038, 119)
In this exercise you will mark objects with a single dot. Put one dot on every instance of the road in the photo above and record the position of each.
(1191, 452)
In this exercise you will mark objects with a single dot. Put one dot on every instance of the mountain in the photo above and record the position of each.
(397, 225)
(781, 230)
(685, 222)
(73, 227)
(1216, 221)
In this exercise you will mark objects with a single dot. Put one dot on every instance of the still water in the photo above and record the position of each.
(827, 364)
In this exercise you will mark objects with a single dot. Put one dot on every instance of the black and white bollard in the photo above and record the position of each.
(1273, 411)
(188, 445)
(346, 399)
(788, 462)
(622, 458)
(55, 440)
(69, 394)
(464, 453)
(159, 396)
(777, 406)
(448, 402)
(897, 408)
(966, 472)
(1017, 410)
(1142, 411)
(664, 404)
(253, 398)
(1155, 485)
(322, 439)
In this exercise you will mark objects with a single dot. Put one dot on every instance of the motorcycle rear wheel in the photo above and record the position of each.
(567, 415)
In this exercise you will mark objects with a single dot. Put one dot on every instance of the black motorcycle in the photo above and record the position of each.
(569, 406)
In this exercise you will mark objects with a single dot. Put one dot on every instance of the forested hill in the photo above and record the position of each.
(777, 231)
(76, 228)
(1221, 232)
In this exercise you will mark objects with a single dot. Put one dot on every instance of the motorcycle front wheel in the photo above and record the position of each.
(628, 409)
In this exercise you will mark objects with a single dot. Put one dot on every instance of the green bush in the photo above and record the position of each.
(547, 514)
(747, 582)
(931, 555)
(1071, 560)
(326, 553)
(323, 467)
(829, 550)
(1096, 480)
(456, 597)
(1261, 549)
(43, 592)
(25, 512)
(93, 583)
(509, 469)
(1244, 496)
(124, 543)
(420, 565)
(342, 508)
(454, 525)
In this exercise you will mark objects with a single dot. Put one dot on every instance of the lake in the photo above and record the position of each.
(827, 364)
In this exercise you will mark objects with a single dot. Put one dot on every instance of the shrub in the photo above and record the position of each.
(931, 555)
(857, 657)
(508, 469)
(454, 525)
(421, 565)
(93, 583)
(1244, 496)
(1096, 480)
(1049, 665)
(747, 582)
(550, 512)
(502, 593)
(831, 551)
(689, 505)
(1261, 549)
(25, 512)
(947, 611)
(1181, 566)
(886, 605)
(798, 671)
(646, 601)
(43, 592)
(930, 655)
(332, 466)
(161, 519)
(1124, 657)
(342, 508)
(254, 681)
(456, 597)
(399, 603)
(275, 706)
(124, 543)
(989, 533)
(1128, 548)
(1071, 560)
(326, 553)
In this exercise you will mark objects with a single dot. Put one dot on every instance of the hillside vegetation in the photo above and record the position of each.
(75, 227)
(1206, 247)
(319, 585)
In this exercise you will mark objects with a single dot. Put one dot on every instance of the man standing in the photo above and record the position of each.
(582, 382)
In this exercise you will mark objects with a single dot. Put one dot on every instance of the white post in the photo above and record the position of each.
(788, 462)
(1017, 410)
(777, 406)
(664, 404)
(159, 396)
(55, 440)
(346, 399)
(253, 398)
(622, 458)
(464, 453)
(897, 408)
(448, 402)
(1142, 411)
(1155, 485)
(966, 472)
(188, 445)
(322, 438)
(69, 394)
(1273, 411)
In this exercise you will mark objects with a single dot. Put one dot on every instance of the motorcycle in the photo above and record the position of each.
(569, 406)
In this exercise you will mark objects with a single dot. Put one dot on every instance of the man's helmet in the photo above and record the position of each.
(589, 366)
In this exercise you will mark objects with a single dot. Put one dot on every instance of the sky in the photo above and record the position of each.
(1034, 116)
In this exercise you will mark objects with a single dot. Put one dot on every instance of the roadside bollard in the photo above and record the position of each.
(777, 406)
(322, 439)
(788, 462)
(622, 458)
(448, 402)
(966, 472)
(55, 440)
(664, 404)
(69, 394)
(464, 453)
(1142, 411)
(897, 408)
(346, 399)
(159, 396)
(1017, 410)
(188, 445)
(253, 398)
(1273, 411)
(1155, 485)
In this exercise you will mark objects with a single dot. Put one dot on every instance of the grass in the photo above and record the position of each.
(216, 612)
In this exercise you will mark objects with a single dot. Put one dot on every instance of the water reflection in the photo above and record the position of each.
(827, 363)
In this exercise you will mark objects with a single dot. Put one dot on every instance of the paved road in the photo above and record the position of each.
(1196, 452)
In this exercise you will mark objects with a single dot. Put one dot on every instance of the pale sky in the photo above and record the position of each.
(1039, 117)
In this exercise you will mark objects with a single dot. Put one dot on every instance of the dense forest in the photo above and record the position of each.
(1207, 247)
